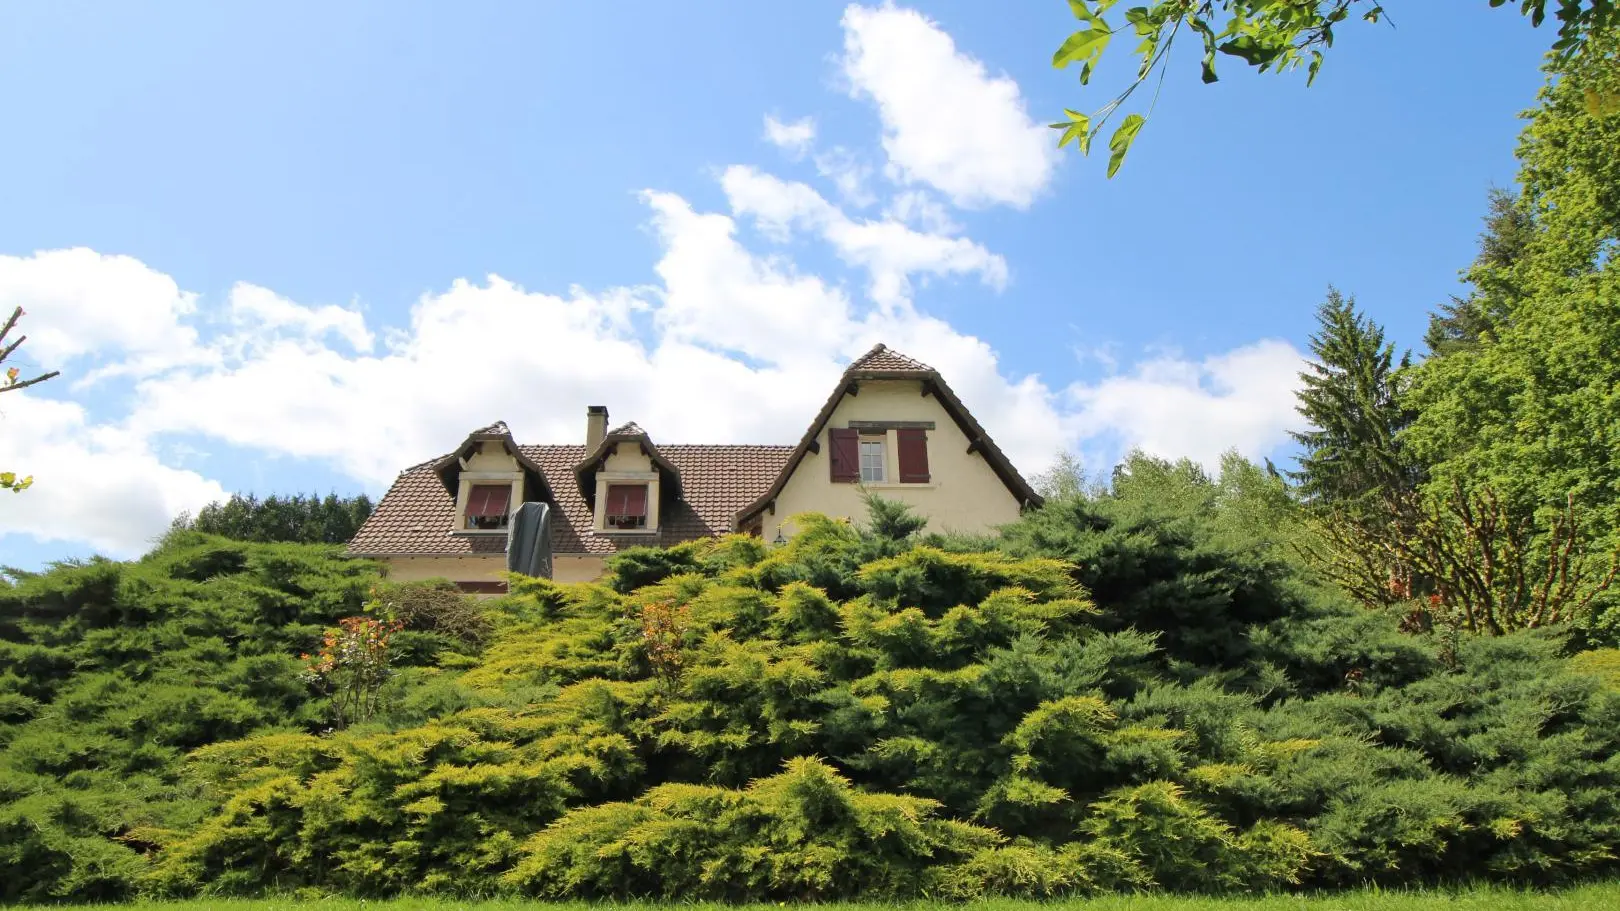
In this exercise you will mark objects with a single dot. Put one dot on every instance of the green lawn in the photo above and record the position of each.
(1585, 898)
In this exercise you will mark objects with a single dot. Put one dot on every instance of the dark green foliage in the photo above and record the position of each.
(1141, 690)
(1351, 401)
(942, 723)
(1170, 551)
(111, 672)
(1478, 316)
(891, 520)
(296, 519)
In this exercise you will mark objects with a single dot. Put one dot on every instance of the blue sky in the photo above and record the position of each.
(302, 246)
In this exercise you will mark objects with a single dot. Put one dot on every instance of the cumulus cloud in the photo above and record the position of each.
(255, 308)
(1172, 406)
(947, 122)
(889, 250)
(95, 484)
(793, 138)
(110, 307)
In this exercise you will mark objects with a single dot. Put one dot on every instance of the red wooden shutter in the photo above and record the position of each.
(844, 445)
(913, 455)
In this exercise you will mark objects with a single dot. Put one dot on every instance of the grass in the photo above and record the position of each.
(1598, 897)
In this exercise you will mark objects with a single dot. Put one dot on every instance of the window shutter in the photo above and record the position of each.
(844, 444)
(913, 455)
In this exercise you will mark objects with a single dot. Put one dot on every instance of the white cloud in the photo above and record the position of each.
(1171, 406)
(793, 138)
(850, 175)
(921, 210)
(253, 307)
(947, 122)
(744, 350)
(889, 250)
(82, 303)
(94, 484)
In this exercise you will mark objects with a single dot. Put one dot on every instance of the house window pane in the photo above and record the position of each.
(626, 506)
(871, 460)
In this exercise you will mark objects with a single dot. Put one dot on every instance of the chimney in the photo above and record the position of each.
(596, 419)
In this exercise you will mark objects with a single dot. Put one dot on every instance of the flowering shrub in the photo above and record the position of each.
(663, 626)
(353, 666)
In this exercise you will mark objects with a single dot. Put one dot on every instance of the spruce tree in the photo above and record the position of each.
(1352, 402)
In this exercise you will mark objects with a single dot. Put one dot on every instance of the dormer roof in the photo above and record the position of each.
(449, 467)
(631, 432)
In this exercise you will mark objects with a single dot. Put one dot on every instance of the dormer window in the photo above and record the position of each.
(626, 507)
(488, 507)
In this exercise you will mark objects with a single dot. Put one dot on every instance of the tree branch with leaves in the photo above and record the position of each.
(11, 381)
(1269, 35)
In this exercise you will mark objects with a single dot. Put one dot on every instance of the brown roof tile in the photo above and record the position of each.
(883, 359)
(416, 514)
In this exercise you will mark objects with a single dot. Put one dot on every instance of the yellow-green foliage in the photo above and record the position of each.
(803, 834)
(849, 717)
(1602, 663)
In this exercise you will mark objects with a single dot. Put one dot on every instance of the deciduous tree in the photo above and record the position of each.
(11, 381)
(1270, 35)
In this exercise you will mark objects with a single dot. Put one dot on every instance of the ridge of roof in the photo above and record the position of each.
(882, 358)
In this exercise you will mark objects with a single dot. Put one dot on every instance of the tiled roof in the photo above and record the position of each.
(416, 514)
(883, 359)
(629, 429)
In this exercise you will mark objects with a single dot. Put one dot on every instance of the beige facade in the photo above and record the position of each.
(564, 568)
(457, 569)
(962, 494)
(627, 464)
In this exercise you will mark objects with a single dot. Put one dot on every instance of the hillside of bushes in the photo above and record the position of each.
(1136, 689)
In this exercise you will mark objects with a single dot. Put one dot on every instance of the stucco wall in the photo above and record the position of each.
(564, 568)
(456, 569)
(963, 494)
(628, 457)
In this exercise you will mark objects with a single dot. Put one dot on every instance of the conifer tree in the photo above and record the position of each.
(292, 519)
(1352, 401)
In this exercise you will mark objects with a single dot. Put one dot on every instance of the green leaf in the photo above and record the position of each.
(1120, 142)
(1083, 46)
(1209, 67)
(1316, 66)
(1077, 130)
(1141, 20)
(1253, 52)
(1082, 11)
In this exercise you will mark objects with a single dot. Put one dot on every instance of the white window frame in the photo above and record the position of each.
(873, 453)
